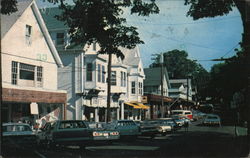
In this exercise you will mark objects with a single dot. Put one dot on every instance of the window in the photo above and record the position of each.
(28, 31)
(122, 79)
(89, 72)
(39, 75)
(27, 72)
(140, 88)
(133, 87)
(113, 78)
(60, 39)
(14, 72)
(103, 74)
(99, 73)
(125, 80)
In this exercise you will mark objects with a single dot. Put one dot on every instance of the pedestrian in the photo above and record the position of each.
(186, 124)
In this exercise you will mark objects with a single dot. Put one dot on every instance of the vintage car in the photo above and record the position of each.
(73, 132)
(18, 136)
(212, 119)
(126, 128)
(149, 129)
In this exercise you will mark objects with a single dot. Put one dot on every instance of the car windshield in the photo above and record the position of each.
(72, 125)
(126, 123)
(212, 117)
(15, 128)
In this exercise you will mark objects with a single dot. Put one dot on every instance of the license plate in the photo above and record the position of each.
(106, 134)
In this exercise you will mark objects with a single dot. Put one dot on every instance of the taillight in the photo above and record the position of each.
(97, 134)
(114, 133)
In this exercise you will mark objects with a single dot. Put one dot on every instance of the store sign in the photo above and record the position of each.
(34, 108)
(144, 99)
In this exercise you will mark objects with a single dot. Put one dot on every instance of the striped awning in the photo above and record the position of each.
(137, 105)
(133, 105)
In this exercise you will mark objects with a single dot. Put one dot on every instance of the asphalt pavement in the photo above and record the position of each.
(198, 141)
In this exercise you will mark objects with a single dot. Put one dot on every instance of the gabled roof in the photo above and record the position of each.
(52, 23)
(132, 56)
(153, 76)
(7, 21)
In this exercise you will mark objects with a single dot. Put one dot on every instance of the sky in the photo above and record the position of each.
(203, 39)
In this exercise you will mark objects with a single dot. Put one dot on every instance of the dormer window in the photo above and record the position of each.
(60, 38)
(28, 31)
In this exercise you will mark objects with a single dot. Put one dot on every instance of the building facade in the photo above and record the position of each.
(29, 68)
(156, 91)
(84, 76)
(181, 92)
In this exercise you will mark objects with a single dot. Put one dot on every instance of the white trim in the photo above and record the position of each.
(46, 34)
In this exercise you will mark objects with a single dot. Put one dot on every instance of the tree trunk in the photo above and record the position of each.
(244, 9)
(108, 87)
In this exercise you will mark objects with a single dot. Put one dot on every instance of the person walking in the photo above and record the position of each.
(186, 124)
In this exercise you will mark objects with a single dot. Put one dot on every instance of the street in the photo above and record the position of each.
(199, 141)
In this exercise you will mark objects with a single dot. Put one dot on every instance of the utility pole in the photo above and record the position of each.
(109, 88)
(187, 89)
(1, 101)
(162, 90)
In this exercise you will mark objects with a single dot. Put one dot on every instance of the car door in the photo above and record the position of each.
(77, 130)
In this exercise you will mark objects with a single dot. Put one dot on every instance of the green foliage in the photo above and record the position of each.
(8, 6)
(179, 67)
(208, 8)
(227, 78)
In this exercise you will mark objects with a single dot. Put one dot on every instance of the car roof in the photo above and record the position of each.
(14, 123)
(124, 120)
(212, 115)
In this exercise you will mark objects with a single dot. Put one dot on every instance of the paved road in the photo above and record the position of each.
(199, 141)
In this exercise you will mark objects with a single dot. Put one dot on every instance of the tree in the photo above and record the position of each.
(211, 8)
(8, 6)
(179, 66)
(101, 21)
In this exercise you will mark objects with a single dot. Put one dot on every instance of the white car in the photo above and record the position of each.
(212, 119)
(163, 128)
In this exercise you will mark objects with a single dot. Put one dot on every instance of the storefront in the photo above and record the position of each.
(18, 105)
(157, 110)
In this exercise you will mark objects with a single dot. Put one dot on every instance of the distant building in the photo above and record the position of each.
(29, 67)
(181, 91)
(155, 78)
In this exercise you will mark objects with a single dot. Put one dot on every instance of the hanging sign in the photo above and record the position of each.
(34, 108)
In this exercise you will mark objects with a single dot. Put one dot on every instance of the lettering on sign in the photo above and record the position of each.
(42, 57)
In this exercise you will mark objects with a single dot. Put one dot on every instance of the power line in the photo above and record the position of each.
(230, 50)
(188, 23)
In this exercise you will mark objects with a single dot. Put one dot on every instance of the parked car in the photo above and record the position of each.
(76, 132)
(162, 127)
(187, 113)
(171, 122)
(197, 115)
(149, 129)
(126, 128)
(180, 120)
(212, 119)
(18, 136)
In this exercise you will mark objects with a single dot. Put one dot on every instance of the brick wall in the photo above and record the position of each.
(17, 95)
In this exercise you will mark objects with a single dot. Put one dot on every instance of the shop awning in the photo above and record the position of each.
(133, 105)
(137, 105)
(143, 106)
